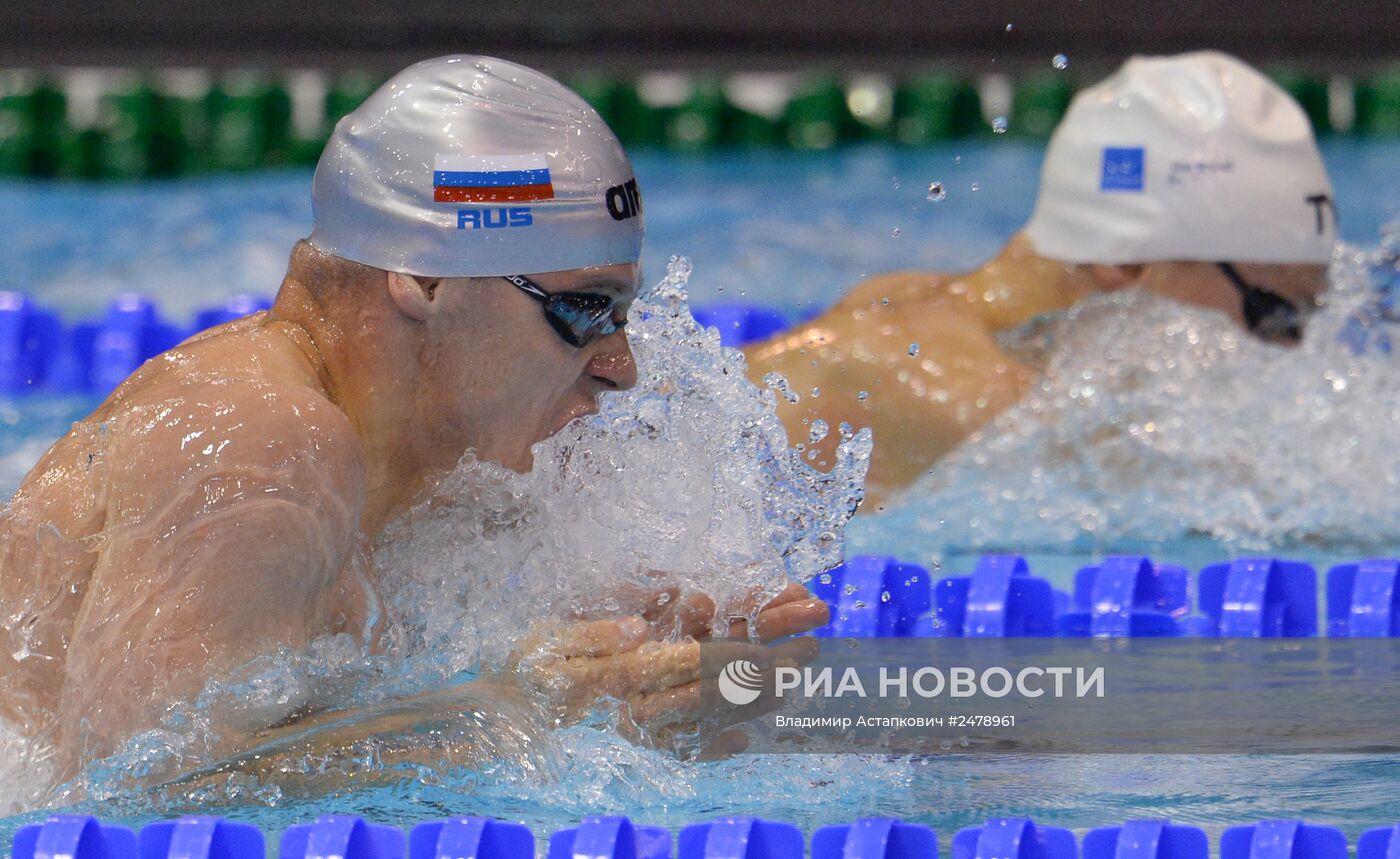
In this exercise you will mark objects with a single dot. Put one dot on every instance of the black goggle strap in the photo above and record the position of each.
(1265, 312)
(528, 286)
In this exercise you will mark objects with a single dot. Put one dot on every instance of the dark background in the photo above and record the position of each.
(618, 35)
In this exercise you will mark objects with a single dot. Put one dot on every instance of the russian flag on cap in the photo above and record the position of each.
(491, 178)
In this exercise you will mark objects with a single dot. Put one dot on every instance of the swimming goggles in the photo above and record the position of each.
(1266, 314)
(578, 317)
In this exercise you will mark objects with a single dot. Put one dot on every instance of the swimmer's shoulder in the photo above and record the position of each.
(239, 401)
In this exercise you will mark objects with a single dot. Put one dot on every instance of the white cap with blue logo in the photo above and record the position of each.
(1190, 157)
(466, 166)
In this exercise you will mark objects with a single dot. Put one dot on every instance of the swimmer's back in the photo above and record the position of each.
(913, 355)
(115, 538)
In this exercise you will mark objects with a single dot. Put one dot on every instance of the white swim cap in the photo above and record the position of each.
(468, 166)
(1192, 157)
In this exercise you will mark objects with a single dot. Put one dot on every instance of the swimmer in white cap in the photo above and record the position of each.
(465, 286)
(1193, 177)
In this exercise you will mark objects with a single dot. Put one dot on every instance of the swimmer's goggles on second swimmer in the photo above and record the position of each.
(1266, 314)
(578, 317)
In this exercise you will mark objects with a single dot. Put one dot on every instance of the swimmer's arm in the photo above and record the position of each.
(231, 523)
(564, 671)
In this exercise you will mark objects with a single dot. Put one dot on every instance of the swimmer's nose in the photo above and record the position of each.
(615, 367)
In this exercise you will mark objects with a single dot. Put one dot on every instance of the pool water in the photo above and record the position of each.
(794, 230)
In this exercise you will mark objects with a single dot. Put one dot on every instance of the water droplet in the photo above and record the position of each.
(936, 192)
(778, 382)
(884, 302)
(894, 233)
(816, 392)
(1060, 62)
(1008, 28)
(863, 396)
(913, 349)
(977, 186)
(895, 181)
(818, 431)
(884, 596)
(957, 159)
(998, 125)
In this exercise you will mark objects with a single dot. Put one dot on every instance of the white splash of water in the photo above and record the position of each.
(689, 474)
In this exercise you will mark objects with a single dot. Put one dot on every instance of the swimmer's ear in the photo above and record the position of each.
(1111, 277)
(413, 296)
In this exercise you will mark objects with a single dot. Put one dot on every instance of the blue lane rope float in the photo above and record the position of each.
(38, 352)
(473, 838)
(1146, 839)
(875, 838)
(132, 332)
(740, 323)
(201, 838)
(741, 838)
(73, 837)
(1127, 596)
(1014, 838)
(27, 335)
(347, 837)
(1380, 843)
(1282, 839)
(1000, 599)
(873, 596)
(1363, 600)
(1260, 598)
(341, 837)
(606, 838)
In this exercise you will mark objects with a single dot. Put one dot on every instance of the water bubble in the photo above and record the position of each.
(1060, 62)
(885, 302)
(976, 186)
(936, 192)
(913, 349)
(894, 233)
(816, 392)
(998, 125)
(1008, 28)
(818, 432)
(957, 159)
(863, 396)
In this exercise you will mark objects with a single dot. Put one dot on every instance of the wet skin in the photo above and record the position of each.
(221, 503)
(922, 406)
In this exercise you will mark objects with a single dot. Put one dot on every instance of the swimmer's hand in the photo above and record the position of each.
(669, 687)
